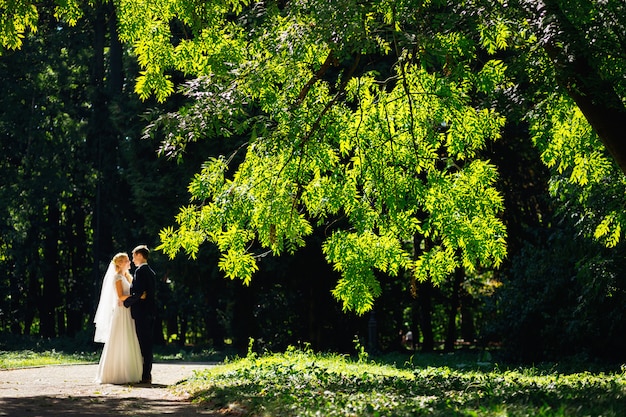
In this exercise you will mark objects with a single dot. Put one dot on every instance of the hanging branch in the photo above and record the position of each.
(330, 60)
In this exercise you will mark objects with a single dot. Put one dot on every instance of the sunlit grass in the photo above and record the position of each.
(303, 383)
(29, 358)
(29, 351)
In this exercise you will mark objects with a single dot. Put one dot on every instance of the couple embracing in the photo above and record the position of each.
(125, 320)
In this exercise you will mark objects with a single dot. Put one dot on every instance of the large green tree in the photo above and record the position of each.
(391, 151)
(371, 119)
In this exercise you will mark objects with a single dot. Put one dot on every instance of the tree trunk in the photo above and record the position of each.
(33, 296)
(243, 317)
(459, 276)
(605, 119)
(182, 334)
(102, 137)
(422, 291)
(468, 330)
(115, 77)
(214, 329)
(51, 287)
(76, 304)
(16, 283)
(94, 141)
(424, 305)
(573, 58)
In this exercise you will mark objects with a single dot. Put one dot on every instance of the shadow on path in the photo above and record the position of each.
(98, 406)
(70, 390)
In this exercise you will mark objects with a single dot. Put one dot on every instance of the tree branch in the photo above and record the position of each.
(330, 60)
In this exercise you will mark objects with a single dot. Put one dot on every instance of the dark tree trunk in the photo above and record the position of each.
(94, 140)
(468, 330)
(214, 330)
(423, 293)
(78, 305)
(102, 136)
(424, 306)
(17, 282)
(453, 310)
(573, 57)
(605, 114)
(243, 317)
(33, 295)
(60, 321)
(51, 287)
(116, 71)
(182, 335)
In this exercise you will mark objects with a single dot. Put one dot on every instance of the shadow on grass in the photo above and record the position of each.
(436, 392)
(581, 403)
(486, 360)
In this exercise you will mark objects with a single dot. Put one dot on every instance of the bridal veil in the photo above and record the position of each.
(106, 306)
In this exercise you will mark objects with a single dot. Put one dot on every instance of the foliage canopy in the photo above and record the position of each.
(374, 129)
(376, 158)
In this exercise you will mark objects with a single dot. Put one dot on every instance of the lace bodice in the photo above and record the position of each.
(125, 283)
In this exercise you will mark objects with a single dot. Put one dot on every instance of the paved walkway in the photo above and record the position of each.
(70, 391)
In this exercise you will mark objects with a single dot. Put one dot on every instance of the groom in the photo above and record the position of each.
(142, 308)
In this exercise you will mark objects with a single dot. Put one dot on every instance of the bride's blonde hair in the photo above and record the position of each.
(117, 261)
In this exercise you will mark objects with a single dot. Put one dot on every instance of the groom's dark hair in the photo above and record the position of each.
(143, 251)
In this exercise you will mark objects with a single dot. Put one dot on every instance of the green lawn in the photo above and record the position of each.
(302, 383)
(26, 358)
(25, 351)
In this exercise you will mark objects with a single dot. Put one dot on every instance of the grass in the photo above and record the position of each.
(304, 383)
(300, 382)
(24, 351)
(29, 358)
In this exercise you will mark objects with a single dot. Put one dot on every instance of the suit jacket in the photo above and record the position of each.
(144, 281)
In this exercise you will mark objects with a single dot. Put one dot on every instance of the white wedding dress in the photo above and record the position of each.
(121, 360)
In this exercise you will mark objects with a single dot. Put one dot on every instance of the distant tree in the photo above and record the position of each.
(65, 186)
(43, 127)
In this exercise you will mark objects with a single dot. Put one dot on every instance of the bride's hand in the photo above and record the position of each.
(144, 295)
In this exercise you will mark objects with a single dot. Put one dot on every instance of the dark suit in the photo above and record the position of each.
(143, 311)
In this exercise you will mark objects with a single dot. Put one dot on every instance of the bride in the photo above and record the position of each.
(121, 360)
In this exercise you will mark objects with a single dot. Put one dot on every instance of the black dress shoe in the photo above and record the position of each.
(145, 381)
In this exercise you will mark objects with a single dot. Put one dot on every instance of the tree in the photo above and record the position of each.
(375, 129)
(43, 128)
(64, 142)
(339, 153)
(394, 154)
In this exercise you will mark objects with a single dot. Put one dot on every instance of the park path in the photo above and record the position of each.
(69, 390)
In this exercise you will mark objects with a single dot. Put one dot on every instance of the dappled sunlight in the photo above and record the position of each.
(309, 384)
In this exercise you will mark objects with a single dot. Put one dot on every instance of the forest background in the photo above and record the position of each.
(305, 170)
